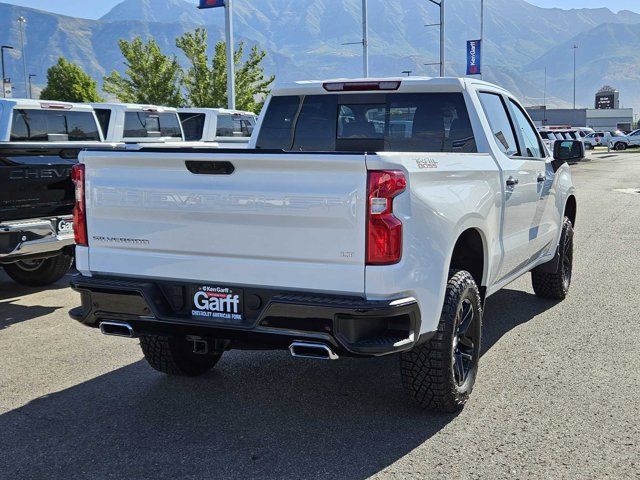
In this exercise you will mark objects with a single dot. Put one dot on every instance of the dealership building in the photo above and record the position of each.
(607, 114)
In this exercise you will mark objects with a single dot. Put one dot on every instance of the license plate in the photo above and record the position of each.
(64, 227)
(217, 303)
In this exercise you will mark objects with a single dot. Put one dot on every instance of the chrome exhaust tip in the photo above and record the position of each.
(317, 351)
(117, 329)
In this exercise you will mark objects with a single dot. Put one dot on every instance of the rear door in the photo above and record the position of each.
(543, 231)
(285, 220)
(519, 183)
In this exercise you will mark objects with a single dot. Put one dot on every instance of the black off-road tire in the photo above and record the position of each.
(174, 356)
(555, 285)
(620, 146)
(427, 371)
(39, 273)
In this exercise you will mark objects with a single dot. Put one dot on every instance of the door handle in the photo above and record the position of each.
(541, 178)
(512, 182)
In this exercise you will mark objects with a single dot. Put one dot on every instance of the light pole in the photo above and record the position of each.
(544, 120)
(231, 67)
(4, 76)
(440, 4)
(23, 23)
(31, 75)
(231, 63)
(575, 48)
(365, 40)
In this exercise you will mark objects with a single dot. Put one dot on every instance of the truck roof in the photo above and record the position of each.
(214, 110)
(27, 103)
(134, 107)
(391, 84)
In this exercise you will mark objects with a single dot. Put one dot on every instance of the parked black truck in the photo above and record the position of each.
(39, 143)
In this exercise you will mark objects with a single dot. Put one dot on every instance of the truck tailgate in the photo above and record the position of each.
(291, 221)
(35, 182)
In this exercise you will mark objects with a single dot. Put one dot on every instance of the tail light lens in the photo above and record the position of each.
(79, 211)
(384, 230)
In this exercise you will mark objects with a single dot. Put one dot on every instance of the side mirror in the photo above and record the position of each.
(568, 150)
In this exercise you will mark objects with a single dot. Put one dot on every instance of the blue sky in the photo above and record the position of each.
(95, 9)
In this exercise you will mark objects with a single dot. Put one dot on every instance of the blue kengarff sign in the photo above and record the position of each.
(474, 57)
(211, 3)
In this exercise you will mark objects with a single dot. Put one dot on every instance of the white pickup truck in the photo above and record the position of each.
(217, 127)
(368, 218)
(135, 123)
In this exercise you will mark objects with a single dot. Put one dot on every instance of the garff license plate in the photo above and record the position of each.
(64, 227)
(214, 302)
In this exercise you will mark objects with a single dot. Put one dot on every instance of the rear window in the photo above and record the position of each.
(192, 125)
(151, 124)
(104, 117)
(394, 122)
(53, 126)
(235, 125)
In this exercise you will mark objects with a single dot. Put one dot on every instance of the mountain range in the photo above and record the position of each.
(304, 39)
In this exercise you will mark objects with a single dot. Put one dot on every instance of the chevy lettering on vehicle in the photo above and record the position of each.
(112, 197)
(39, 174)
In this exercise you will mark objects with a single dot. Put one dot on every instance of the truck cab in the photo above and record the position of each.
(135, 123)
(25, 121)
(217, 127)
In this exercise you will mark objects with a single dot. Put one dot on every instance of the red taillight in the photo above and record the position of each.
(384, 230)
(79, 211)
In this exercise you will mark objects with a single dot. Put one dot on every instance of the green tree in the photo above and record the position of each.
(151, 76)
(205, 80)
(67, 82)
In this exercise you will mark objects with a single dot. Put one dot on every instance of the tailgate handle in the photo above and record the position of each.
(210, 168)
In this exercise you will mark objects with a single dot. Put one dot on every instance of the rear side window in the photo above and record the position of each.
(151, 124)
(532, 146)
(394, 122)
(104, 117)
(53, 126)
(192, 125)
(496, 112)
(276, 132)
(235, 125)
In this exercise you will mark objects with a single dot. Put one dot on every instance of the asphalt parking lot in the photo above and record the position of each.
(558, 392)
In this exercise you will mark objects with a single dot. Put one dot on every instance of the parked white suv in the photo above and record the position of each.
(616, 140)
(368, 218)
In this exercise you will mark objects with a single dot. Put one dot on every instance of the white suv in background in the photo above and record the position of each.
(617, 140)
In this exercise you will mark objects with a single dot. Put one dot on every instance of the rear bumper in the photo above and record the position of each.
(274, 319)
(35, 238)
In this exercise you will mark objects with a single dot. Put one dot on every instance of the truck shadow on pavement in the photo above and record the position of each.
(11, 312)
(257, 415)
(11, 289)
